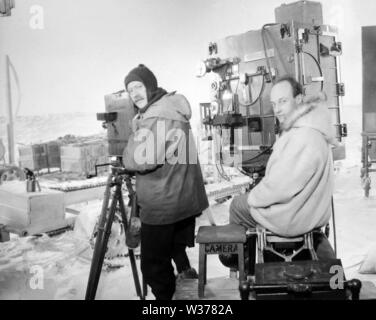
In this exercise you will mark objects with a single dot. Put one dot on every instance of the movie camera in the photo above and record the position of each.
(117, 120)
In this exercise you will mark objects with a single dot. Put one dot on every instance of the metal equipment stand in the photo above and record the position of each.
(115, 179)
(366, 168)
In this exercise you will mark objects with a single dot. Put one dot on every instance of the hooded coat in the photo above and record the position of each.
(162, 151)
(295, 195)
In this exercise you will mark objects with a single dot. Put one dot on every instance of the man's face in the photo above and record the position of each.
(283, 101)
(137, 92)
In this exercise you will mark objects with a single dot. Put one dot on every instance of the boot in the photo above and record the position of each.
(190, 273)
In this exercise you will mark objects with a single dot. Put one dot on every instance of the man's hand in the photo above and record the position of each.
(127, 172)
(135, 123)
(121, 170)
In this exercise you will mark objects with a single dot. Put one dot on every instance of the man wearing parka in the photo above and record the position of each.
(294, 196)
(169, 183)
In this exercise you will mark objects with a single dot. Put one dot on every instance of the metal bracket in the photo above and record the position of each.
(285, 30)
(340, 88)
(213, 48)
(265, 239)
(343, 130)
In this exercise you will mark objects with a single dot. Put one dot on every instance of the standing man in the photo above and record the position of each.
(294, 197)
(169, 183)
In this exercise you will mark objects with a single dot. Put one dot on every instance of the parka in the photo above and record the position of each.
(294, 197)
(162, 152)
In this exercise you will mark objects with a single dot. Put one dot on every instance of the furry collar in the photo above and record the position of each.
(309, 103)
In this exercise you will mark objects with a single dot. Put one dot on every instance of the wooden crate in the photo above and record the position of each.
(40, 156)
(33, 157)
(53, 154)
(82, 158)
(28, 213)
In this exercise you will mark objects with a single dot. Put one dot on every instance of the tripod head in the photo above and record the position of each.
(121, 171)
(116, 166)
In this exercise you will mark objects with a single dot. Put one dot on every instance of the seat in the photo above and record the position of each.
(228, 239)
(268, 241)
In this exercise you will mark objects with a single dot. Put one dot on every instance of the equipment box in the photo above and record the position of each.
(33, 157)
(53, 154)
(82, 158)
(311, 279)
(120, 130)
(40, 156)
(28, 213)
(301, 11)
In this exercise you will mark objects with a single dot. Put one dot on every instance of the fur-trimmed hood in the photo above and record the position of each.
(172, 106)
(313, 113)
(294, 196)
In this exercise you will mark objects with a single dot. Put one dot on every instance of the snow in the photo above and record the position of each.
(65, 259)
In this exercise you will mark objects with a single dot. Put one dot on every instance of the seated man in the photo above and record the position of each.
(294, 196)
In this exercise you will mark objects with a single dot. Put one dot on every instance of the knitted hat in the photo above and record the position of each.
(143, 74)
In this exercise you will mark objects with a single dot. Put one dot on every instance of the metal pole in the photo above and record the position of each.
(10, 125)
(334, 228)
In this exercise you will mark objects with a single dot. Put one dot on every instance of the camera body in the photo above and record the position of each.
(6, 7)
(118, 121)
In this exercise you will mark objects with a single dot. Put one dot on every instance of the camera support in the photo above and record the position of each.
(115, 179)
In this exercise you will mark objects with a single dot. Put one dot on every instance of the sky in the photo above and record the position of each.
(69, 54)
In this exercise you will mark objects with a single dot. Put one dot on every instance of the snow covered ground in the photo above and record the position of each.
(58, 267)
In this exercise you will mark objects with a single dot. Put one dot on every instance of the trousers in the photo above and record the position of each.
(160, 244)
(241, 213)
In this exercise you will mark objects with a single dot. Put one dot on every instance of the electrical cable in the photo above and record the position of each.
(268, 66)
(318, 66)
(258, 155)
(221, 172)
(245, 173)
(259, 96)
(267, 63)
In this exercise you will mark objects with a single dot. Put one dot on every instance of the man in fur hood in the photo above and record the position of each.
(294, 197)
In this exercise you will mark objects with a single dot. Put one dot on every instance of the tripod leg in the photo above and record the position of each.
(144, 287)
(130, 252)
(104, 231)
(135, 274)
(98, 243)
